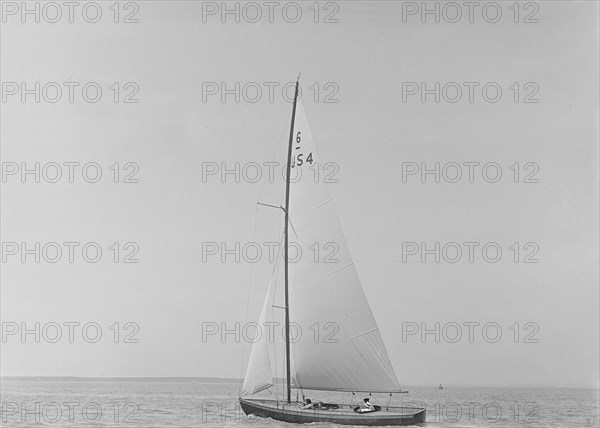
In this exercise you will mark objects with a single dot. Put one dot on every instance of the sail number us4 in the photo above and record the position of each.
(299, 159)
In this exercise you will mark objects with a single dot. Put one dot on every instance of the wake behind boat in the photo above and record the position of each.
(321, 294)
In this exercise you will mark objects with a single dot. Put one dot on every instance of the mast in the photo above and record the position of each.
(287, 213)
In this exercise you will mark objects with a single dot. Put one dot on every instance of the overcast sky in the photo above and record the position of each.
(371, 134)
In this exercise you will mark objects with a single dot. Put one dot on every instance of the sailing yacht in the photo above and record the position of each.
(357, 360)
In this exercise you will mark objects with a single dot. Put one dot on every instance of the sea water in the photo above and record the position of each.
(182, 402)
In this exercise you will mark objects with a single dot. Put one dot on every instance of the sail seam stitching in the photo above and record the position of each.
(320, 205)
(306, 144)
(340, 268)
(366, 332)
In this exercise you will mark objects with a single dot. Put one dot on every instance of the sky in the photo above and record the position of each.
(174, 59)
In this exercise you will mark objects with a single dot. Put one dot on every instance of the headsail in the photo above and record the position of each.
(259, 374)
(328, 292)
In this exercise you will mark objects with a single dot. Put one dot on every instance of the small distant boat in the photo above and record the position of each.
(440, 387)
(318, 292)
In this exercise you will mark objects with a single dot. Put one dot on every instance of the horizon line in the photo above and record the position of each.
(237, 380)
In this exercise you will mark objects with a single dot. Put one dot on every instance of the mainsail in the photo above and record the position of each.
(327, 290)
(325, 294)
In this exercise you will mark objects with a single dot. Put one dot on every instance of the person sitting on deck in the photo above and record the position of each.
(366, 406)
(308, 404)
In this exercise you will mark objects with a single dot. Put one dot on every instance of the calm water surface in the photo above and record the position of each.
(187, 403)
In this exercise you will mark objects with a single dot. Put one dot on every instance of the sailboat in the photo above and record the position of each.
(357, 360)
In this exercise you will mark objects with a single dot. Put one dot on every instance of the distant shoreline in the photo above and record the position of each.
(186, 379)
(124, 379)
